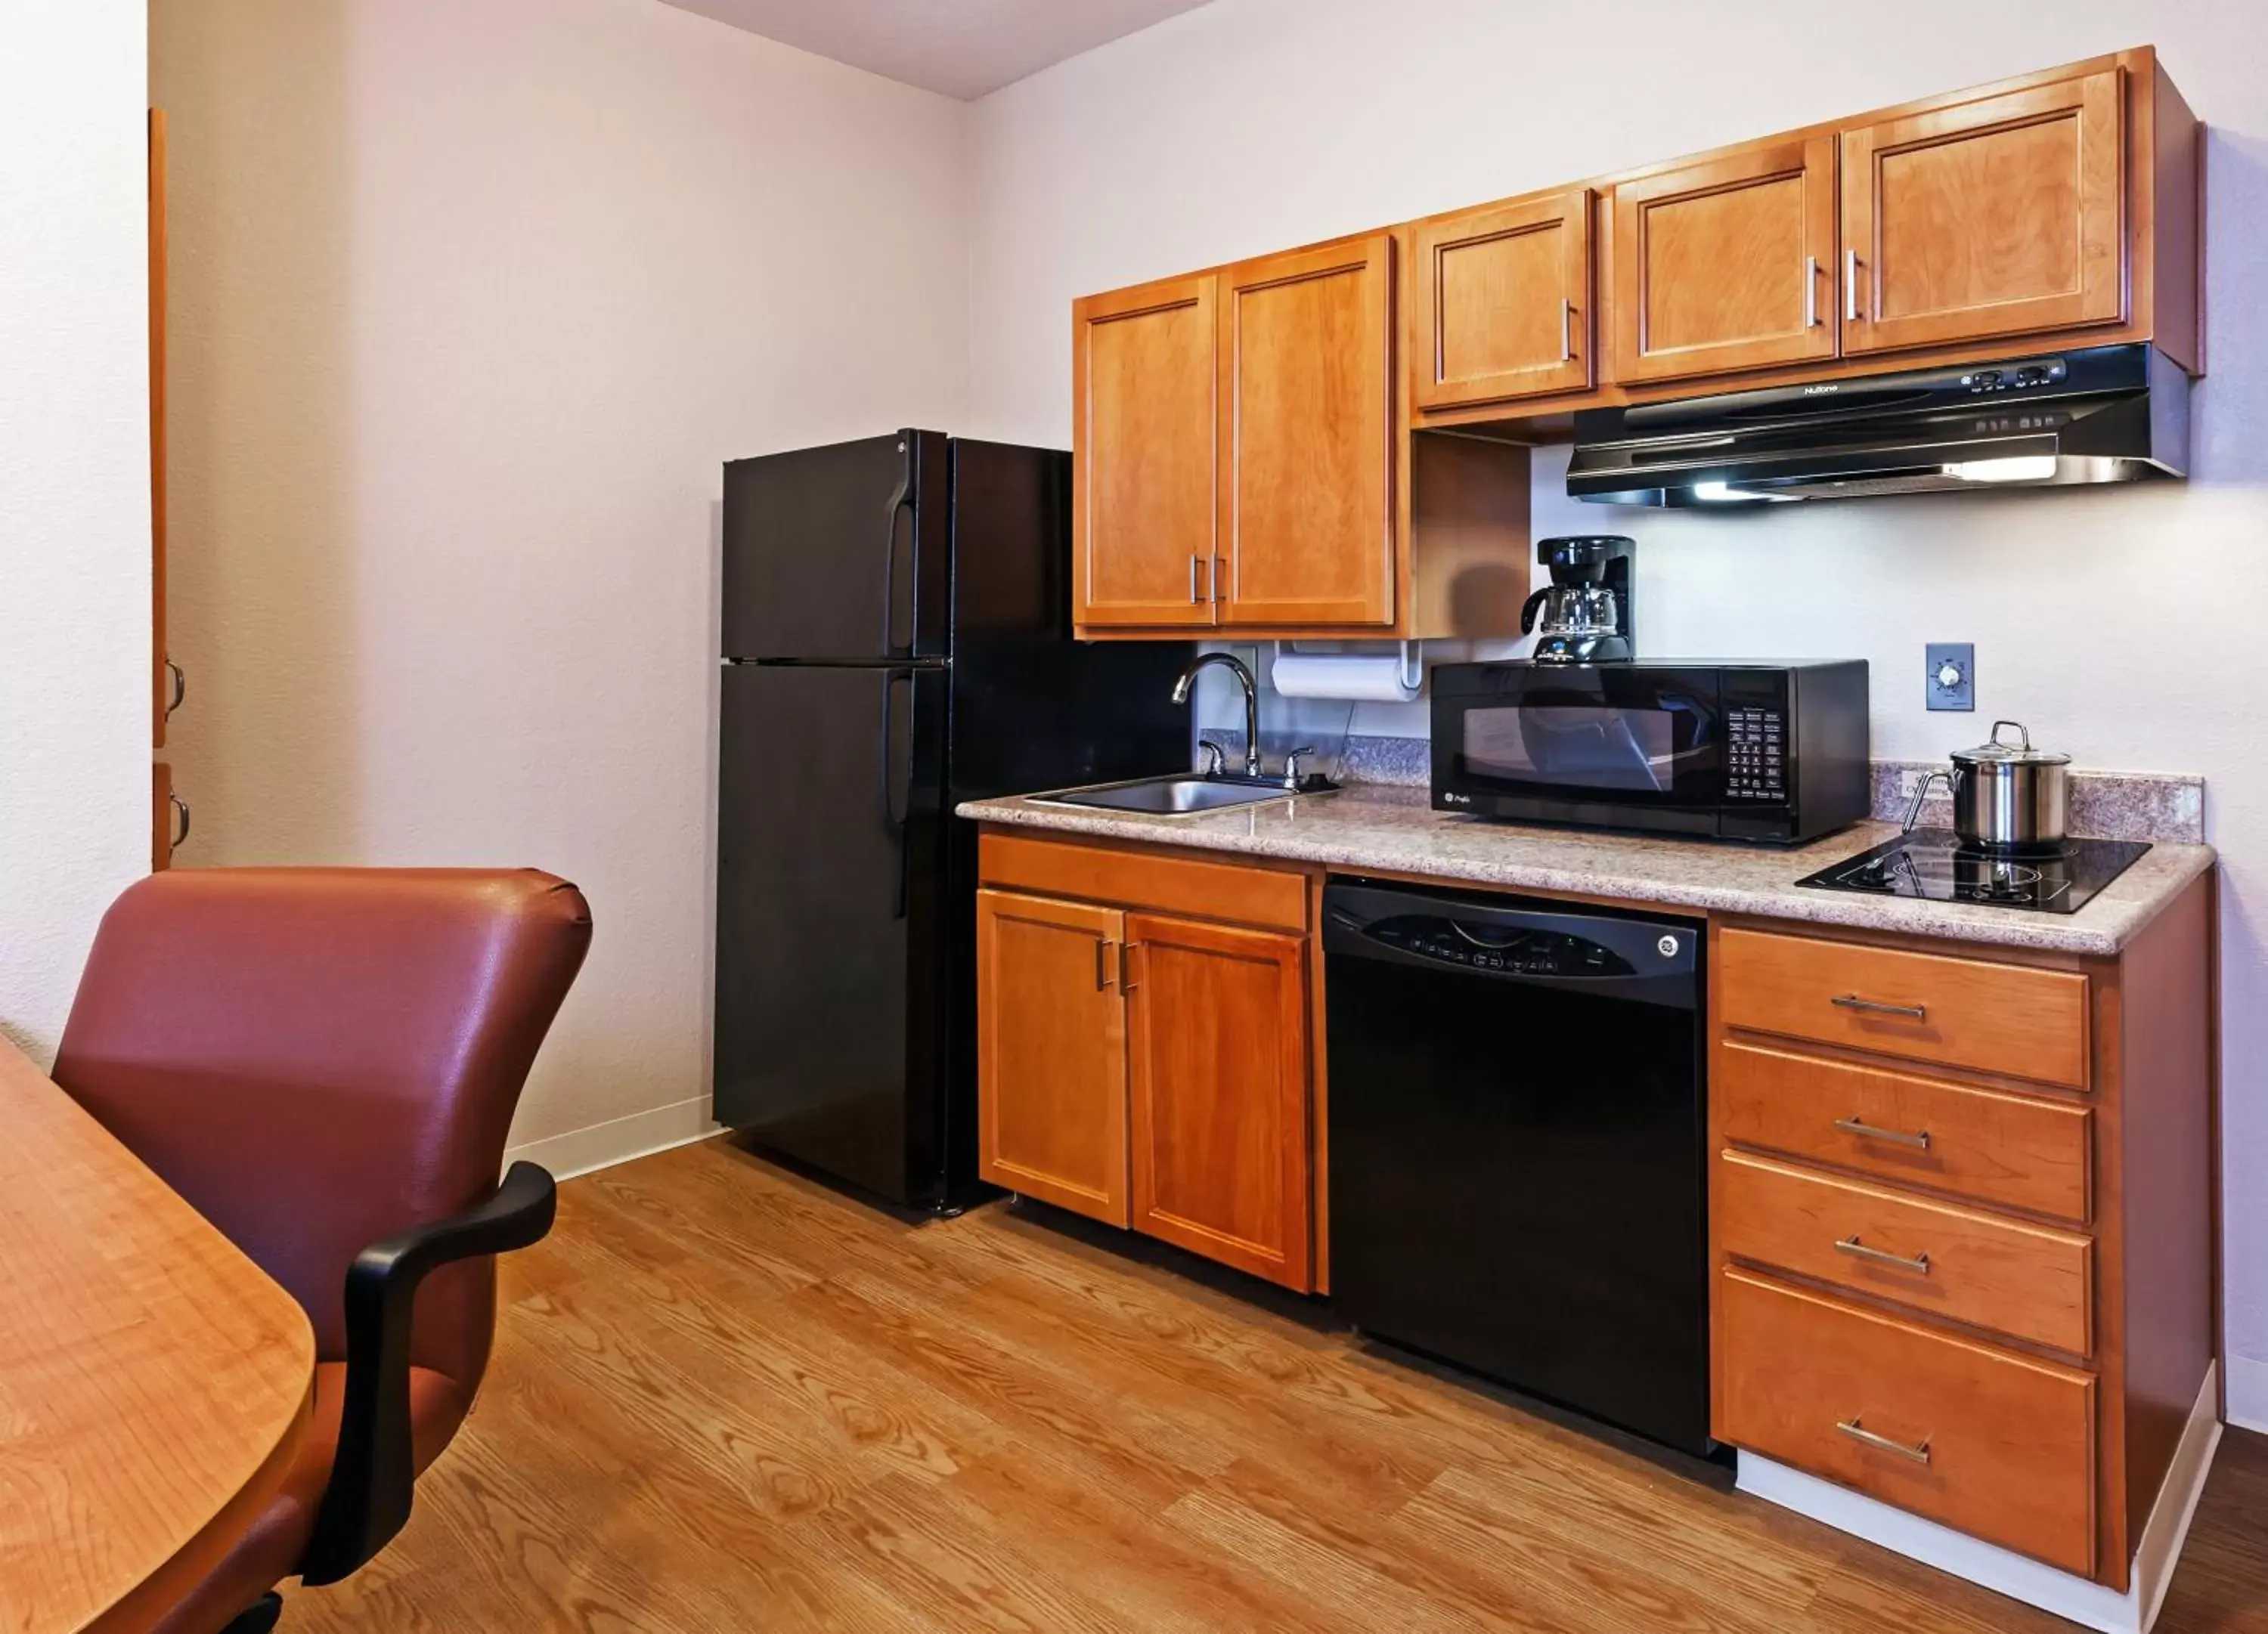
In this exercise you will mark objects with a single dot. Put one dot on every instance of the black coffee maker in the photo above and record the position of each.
(1586, 607)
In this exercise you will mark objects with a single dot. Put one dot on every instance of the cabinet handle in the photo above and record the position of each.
(1851, 1244)
(180, 686)
(1811, 292)
(1566, 330)
(181, 838)
(1193, 579)
(1102, 946)
(1851, 286)
(1918, 1453)
(1126, 966)
(1876, 1007)
(1865, 1130)
(1214, 579)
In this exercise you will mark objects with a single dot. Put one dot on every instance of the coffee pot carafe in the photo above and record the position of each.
(1586, 614)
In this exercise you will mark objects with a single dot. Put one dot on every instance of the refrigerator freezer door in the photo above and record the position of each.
(830, 1024)
(839, 553)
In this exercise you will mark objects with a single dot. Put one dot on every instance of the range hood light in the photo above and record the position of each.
(2019, 468)
(1725, 493)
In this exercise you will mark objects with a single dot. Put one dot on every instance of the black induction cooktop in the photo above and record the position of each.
(1934, 864)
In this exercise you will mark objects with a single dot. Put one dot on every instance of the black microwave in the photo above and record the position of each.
(1769, 752)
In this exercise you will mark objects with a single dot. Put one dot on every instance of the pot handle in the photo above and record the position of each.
(1921, 792)
(2022, 731)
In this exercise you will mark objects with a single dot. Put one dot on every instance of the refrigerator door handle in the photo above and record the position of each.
(897, 812)
(900, 503)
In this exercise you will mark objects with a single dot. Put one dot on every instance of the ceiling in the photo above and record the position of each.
(961, 47)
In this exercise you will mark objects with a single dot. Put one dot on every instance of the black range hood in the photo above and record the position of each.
(2101, 413)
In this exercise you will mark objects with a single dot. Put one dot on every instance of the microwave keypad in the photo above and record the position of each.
(1756, 747)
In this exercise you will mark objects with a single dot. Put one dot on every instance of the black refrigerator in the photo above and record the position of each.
(896, 639)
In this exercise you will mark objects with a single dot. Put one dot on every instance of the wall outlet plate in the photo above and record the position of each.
(1949, 681)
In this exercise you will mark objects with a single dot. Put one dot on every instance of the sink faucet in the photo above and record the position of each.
(1251, 700)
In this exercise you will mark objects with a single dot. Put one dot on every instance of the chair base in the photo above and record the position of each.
(259, 1617)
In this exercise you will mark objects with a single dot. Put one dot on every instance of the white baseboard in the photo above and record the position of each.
(2248, 1393)
(618, 1140)
(2018, 1576)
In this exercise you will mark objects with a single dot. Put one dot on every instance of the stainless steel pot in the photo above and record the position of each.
(2006, 797)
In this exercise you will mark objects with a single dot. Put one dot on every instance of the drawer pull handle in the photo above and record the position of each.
(1881, 1257)
(1864, 1130)
(1857, 1431)
(1876, 1007)
(1102, 948)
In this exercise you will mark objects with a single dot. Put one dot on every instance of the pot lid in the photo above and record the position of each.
(2010, 753)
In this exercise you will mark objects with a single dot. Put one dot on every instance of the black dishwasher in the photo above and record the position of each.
(1517, 1147)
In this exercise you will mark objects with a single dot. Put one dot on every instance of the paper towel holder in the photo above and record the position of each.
(1409, 666)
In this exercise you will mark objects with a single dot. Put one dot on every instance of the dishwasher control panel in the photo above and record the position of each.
(1498, 948)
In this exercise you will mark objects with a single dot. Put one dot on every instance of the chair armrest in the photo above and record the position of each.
(367, 1500)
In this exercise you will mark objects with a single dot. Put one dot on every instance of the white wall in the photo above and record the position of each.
(472, 298)
(74, 493)
(2124, 625)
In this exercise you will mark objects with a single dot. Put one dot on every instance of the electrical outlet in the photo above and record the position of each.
(1949, 680)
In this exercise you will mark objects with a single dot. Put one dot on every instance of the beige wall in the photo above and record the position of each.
(2123, 625)
(472, 297)
(74, 495)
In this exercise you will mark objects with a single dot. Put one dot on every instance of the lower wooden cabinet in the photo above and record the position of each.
(1220, 1054)
(1961, 1222)
(1148, 1068)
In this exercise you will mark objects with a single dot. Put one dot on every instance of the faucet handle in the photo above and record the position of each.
(1216, 758)
(1291, 764)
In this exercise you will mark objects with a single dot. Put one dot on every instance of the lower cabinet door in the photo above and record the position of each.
(1052, 1052)
(1219, 1049)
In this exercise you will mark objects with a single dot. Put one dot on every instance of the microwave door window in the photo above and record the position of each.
(1577, 748)
(1592, 747)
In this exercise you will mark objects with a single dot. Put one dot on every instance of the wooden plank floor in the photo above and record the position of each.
(724, 1398)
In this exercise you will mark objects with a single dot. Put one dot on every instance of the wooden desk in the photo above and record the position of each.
(155, 1385)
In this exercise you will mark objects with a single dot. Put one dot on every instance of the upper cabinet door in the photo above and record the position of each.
(1503, 300)
(1986, 219)
(1725, 264)
(1144, 372)
(1307, 388)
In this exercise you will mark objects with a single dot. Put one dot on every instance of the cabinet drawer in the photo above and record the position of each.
(1966, 1013)
(1239, 893)
(1992, 1444)
(2032, 1282)
(2010, 1150)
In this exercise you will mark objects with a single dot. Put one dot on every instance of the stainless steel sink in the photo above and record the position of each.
(1183, 796)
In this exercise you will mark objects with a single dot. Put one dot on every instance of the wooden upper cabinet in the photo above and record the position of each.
(1502, 302)
(1218, 1047)
(1145, 377)
(1986, 217)
(1052, 1052)
(1726, 264)
(1306, 424)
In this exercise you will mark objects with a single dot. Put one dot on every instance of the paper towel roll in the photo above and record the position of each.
(1359, 676)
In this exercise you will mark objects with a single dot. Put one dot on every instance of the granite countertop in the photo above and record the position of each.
(1377, 827)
